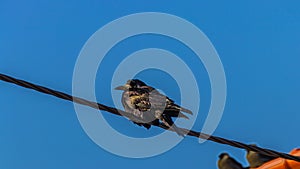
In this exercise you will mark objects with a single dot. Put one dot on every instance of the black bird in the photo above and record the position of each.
(147, 103)
(227, 162)
(256, 159)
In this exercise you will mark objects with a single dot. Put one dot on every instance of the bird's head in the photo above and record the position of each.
(132, 84)
(223, 155)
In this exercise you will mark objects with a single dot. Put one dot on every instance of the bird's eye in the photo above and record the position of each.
(132, 83)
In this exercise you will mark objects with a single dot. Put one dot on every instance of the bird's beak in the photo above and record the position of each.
(125, 87)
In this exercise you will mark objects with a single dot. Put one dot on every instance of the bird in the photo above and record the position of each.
(227, 162)
(256, 159)
(149, 104)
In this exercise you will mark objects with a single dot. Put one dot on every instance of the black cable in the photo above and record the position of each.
(118, 112)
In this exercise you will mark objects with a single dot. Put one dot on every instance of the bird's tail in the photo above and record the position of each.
(176, 114)
(181, 115)
(186, 110)
(182, 109)
(167, 120)
(176, 111)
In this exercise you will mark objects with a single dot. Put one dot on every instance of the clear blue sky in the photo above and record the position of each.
(258, 43)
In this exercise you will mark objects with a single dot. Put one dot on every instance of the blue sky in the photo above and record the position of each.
(258, 43)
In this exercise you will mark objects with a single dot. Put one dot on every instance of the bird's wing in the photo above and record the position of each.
(140, 100)
(168, 104)
(155, 103)
(162, 102)
(141, 103)
(172, 106)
